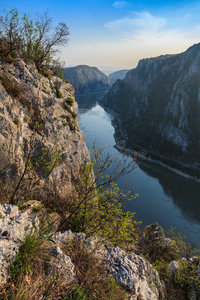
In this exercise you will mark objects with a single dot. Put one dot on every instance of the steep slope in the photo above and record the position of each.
(87, 79)
(159, 104)
(38, 122)
(118, 74)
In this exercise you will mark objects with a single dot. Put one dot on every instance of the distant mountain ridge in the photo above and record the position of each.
(87, 79)
(158, 103)
(118, 74)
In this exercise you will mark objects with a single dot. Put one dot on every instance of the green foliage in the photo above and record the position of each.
(16, 121)
(58, 93)
(76, 293)
(187, 279)
(34, 40)
(99, 205)
(52, 88)
(50, 159)
(26, 254)
(184, 248)
(70, 101)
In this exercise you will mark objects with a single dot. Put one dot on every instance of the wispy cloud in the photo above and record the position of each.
(120, 4)
(140, 23)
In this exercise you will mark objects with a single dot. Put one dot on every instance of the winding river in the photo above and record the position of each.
(164, 197)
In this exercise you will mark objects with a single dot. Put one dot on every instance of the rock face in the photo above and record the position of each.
(135, 274)
(13, 229)
(158, 103)
(87, 79)
(118, 74)
(62, 265)
(38, 120)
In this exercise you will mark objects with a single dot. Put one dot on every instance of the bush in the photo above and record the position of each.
(16, 121)
(70, 101)
(58, 93)
(34, 40)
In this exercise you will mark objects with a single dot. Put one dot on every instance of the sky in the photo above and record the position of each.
(114, 35)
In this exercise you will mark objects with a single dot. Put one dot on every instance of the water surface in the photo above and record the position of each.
(164, 197)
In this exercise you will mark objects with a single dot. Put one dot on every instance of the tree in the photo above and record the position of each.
(35, 40)
(98, 207)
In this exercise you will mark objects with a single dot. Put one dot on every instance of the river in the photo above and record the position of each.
(164, 197)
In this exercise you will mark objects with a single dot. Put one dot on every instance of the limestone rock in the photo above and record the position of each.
(155, 239)
(68, 236)
(134, 273)
(13, 229)
(174, 267)
(34, 117)
(62, 264)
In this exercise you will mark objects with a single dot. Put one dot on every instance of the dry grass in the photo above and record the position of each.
(29, 278)
(12, 87)
(91, 275)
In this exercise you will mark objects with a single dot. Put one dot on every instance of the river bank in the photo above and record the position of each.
(124, 144)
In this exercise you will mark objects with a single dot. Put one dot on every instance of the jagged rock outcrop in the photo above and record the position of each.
(62, 264)
(158, 103)
(38, 120)
(14, 227)
(155, 243)
(134, 273)
(87, 79)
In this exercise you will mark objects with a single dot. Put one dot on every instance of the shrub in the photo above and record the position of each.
(16, 121)
(70, 101)
(58, 93)
(52, 88)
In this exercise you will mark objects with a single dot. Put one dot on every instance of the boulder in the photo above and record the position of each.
(13, 229)
(61, 264)
(134, 273)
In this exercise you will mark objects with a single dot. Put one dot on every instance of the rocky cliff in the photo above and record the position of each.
(158, 103)
(87, 79)
(38, 123)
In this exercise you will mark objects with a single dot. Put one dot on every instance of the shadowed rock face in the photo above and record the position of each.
(159, 104)
(87, 79)
(38, 113)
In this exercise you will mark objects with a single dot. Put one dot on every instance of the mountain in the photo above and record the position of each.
(158, 104)
(87, 79)
(118, 74)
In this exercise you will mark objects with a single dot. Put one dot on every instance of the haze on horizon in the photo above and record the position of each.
(117, 34)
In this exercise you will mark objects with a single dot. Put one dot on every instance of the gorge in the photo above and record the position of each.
(158, 107)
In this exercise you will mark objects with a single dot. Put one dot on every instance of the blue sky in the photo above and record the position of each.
(116, 34)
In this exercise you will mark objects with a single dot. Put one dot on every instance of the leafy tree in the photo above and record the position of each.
(35, 40)
(98, 207)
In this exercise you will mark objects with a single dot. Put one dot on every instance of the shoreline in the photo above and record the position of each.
(146, 158)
